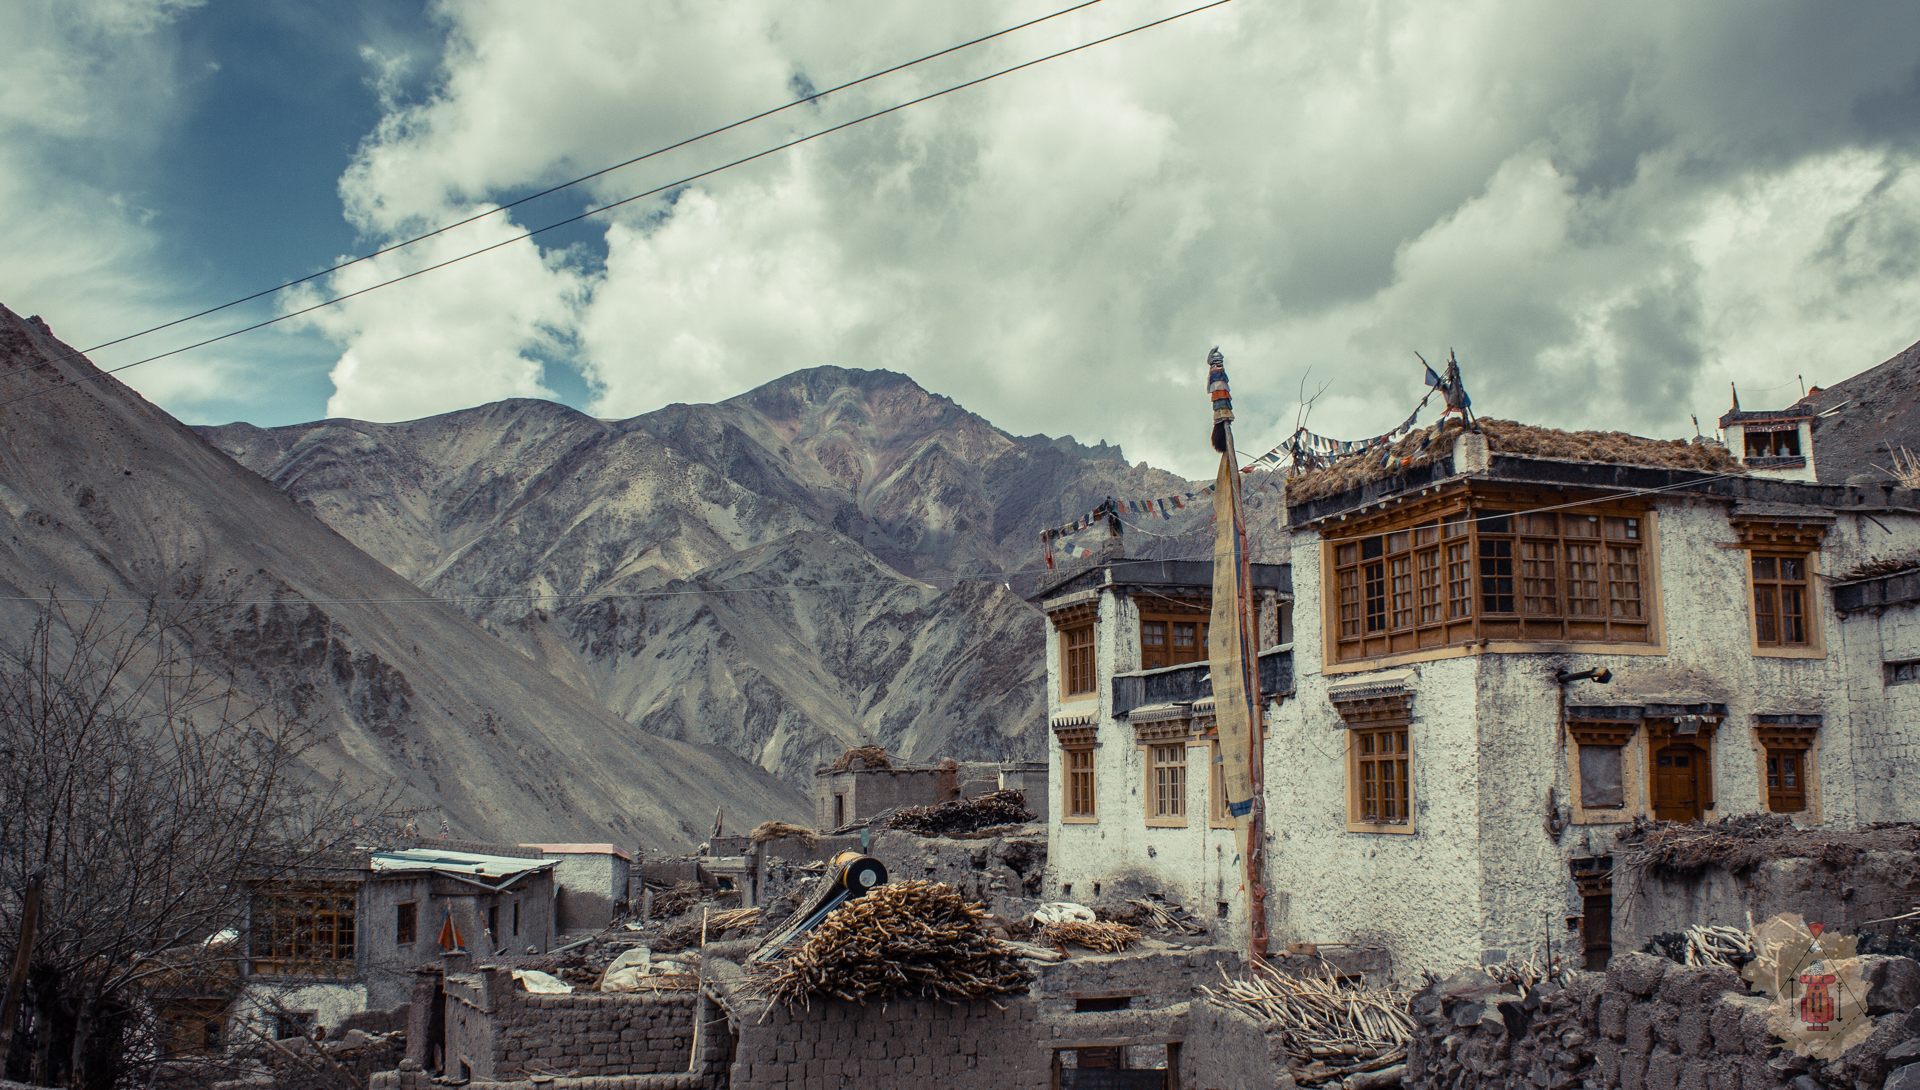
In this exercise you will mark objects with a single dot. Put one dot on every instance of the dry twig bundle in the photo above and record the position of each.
(910, 939)
(782, 830)
(1101, 935)
(963, 815)
(1523, 972)
(869, 756)
(1332, 1028)
(677, 898)
(1717, 945)
(1171, 918)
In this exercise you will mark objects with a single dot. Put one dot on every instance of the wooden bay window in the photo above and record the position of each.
(303, 930)
(1172, 634)
(1466, 570)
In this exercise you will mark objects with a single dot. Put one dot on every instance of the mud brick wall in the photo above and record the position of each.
(1647, 1024)
(966, 1046)
(1228, 1049)
(500, 1031)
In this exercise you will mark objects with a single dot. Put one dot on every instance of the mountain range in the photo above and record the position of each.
(108, 498)
(833, 559)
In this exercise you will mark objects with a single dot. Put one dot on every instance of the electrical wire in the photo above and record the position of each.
(689, 179)
(551, 190)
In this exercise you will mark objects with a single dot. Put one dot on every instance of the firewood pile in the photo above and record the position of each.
(869, 756)
(1103, 936)
(782, 830)
(1333, 1028)
(1155, 914)
(685, 932)
(963, 815)
(916, 939)
(677, 898)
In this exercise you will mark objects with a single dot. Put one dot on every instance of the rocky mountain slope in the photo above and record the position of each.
(107, 496)
(820, 562)
(1865, 420)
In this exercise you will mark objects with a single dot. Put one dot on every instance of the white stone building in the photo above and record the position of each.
(1442, 783)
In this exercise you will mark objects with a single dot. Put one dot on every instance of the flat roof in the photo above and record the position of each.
(580, 849)
(451, 862)
(1134, 572)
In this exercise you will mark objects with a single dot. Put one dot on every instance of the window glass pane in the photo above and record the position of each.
(1602, 785)
(1766, 567)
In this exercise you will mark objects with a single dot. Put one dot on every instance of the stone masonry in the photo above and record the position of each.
(1648, 1024)
(495, 1030)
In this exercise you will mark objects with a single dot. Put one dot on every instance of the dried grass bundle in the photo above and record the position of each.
(782, 830)
(1739, 843)
(1166, 917)
(911, 939)
(1103, 936)
(1430, 444)
(963, 815)
(1332, 1027)
(677, 898)
(868, 756)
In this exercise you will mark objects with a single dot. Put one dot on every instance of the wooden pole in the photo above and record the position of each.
(699, 990)
(22, 962)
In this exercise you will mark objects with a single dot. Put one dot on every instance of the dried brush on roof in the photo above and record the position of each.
(1103, 936)
(1739, 843)
(1427, 445)
(868, 756)
(917, 939)
(782, 830)
(963, 815)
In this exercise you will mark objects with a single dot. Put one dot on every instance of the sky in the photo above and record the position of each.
(1609, 212)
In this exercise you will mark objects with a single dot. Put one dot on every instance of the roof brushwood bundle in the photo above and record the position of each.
(1155, 914)
(677, 898)
(963, 815)
(1739, 843)
(1103, 936)
(868, 756)
(1333, 1029)
(917, 939)
(782, 830)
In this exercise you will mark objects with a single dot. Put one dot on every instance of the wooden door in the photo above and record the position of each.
(1679, 782)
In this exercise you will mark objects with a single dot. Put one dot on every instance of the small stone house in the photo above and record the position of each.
(345, 939)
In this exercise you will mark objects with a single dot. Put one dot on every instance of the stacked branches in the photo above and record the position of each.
(1744, 841)
(1102, 936)
(782, 830)
(963, 815)
(868, 756)
(915, 939)
(1332, 1028)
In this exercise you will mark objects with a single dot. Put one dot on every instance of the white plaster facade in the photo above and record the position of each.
(1482, 871)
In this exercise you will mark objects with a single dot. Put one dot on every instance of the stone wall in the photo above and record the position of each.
(1876, 886)
(1228, 1050)
(969, 1046)
(1646, 1024)
(495, 1030)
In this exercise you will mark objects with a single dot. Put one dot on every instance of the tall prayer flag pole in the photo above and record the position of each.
(1234, 660)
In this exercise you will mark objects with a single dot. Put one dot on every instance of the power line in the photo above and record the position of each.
(550, 190)
(623, 201)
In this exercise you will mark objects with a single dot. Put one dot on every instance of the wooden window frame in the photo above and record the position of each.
(1472, 567)
(406, 923)
(304, 930)
(1156, 795)
(1621, 734)
(1377, 717)
(1774, 743)
(1168, 614)
(1079, 676)
(1069, 813)
(1778, 541)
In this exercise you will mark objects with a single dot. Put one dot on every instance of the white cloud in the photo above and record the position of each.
(459, 336)
(1609, 212)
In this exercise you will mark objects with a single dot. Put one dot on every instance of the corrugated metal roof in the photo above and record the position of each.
(450, 862)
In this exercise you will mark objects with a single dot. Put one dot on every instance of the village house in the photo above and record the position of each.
(1128, 698)
(1508, 644)
(336, 943)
